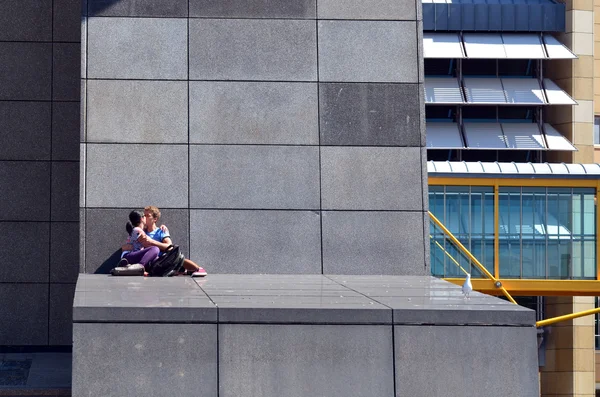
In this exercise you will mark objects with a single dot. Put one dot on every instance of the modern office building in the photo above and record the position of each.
(506, 90)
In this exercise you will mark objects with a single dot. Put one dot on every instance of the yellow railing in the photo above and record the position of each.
(567, 317)
(473, 260)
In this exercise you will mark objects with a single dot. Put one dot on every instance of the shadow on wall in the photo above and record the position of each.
(97, 6)
(110, 263)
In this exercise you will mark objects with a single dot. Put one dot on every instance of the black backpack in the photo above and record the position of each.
(168, 264)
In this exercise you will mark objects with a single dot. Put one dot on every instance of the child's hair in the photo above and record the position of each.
(135, 219)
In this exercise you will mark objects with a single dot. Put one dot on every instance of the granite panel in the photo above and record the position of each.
(83, 112)
(227, 49)
(298, 9)
(138, 8)
(28, 246)
(111, 176)
(134, 301)
(103, 236)
(373, 243)
(301, 360)
(106, 229)
(82, 173)
(65, 191)
(450, 353)
(65, 73)
(25, 71)
(178, 223)
(254, 113)
(371, 178)
(187, 365)
(420, 52)
(26, 20)
(64, 258)
(67, 20)
(236, 241)
(137, 111)
(82, 229)
(25, 320)
(462, 314)
(369, 114)
(301, 310)
(83, 53)
(368, 51)
(25, 199)
(25, 130)
(65, 131)
(137, 48)
(367, 9)
(61, 314)
(228, 284)
(274, 177)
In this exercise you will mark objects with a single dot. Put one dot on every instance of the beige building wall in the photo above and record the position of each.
(571, 369)
(577, 78)
(597, 70)
(570, 365)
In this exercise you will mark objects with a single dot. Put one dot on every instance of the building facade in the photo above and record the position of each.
(291, 138)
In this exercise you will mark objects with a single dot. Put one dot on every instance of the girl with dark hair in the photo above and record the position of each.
(138, 254)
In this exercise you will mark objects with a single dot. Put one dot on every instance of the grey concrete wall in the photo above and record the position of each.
(277, 136)
(39, 169)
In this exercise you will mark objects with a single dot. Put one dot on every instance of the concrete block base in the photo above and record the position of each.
(297, 335)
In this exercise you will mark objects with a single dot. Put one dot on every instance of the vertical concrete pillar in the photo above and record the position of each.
(277, 136)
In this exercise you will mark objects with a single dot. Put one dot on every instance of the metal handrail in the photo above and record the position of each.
(474, 260)
(566, 317)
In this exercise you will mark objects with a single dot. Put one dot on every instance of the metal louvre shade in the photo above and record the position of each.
(443, 90)
(443, 136)
(556, 141)
(442, 45)
(482, 90)
(523, 91)
(485, 136)
(557, 50)
(523, 136)
(555, 95)
(494, 46)
(484, 45)
(523, 46)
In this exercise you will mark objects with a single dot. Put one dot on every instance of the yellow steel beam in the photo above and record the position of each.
(534, 287)
(538, 182)
(566, 317)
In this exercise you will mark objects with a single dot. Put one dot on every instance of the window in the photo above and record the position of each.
(597, 130)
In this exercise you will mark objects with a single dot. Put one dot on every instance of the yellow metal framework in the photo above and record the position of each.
(520, 287)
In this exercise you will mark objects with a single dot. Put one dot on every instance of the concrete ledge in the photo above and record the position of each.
(295, 335)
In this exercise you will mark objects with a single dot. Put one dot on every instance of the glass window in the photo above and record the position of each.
(597, 130)
(544, 232)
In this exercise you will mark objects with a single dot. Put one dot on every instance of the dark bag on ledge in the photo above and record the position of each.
(168, 264)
